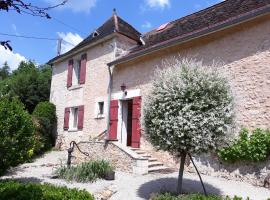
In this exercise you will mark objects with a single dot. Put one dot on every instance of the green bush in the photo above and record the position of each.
(44, 117)
(168, 196)
(253, 147)
(16, 133)
(32, 191)
(86, 172)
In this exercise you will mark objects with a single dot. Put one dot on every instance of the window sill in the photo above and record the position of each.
(73, 130)
(100, 116)
(75, 87)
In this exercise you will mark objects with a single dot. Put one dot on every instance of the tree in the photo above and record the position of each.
(4, 71)
(189, 110)
(21, 6)
(16, 133)
(31, 84)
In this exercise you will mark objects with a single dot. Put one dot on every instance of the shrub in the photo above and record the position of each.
(16, 133)
(86, 172)
(248, 147)
(32, 191)
(168, 196)
(189, 110)
(44, 117)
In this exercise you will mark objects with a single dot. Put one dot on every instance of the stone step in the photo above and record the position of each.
(151, 159)
(140, 152)
(146, 156)
(134, 149)
(154, 164)
(157, 168)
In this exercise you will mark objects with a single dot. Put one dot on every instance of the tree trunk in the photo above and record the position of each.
(181, 171)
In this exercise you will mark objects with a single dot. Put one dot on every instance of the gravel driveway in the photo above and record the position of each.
(133, 187)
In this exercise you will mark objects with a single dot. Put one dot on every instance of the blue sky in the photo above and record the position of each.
(84, 16)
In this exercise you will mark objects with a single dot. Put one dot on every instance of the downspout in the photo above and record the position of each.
(109, 103)
(110, 70)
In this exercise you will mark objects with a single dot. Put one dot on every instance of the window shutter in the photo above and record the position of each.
(113, 120)
(83, 68)
(66, 118)
(70, 72)
(136, 128)
(80, 117)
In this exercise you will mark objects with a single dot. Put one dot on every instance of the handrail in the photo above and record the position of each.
(71, 149)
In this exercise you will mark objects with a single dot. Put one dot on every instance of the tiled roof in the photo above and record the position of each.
(216, 15)
(112, 25)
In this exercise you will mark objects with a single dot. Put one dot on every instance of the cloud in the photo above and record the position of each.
(13, 59)
(146, 25)
(75, 5)
(70, 40)
(158, 3)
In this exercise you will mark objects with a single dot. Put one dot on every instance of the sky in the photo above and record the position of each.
(78, 18)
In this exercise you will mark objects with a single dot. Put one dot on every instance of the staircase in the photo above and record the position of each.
(153, 164)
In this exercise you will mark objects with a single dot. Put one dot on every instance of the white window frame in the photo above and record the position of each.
(73, 125)
(98, 115)
(76, 72)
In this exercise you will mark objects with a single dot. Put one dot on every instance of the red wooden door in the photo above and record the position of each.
(136, 128)
(113, 120)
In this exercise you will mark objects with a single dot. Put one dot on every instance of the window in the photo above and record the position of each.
(100, 108)
(73, 120)
(76, 72)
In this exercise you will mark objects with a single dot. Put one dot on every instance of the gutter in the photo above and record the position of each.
(194, 35)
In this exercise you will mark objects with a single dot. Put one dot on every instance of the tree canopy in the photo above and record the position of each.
(30, 83)
(4, 71)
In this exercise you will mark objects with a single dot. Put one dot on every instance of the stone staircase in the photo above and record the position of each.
(153, 164)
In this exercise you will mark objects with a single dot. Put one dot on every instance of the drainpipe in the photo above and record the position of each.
(109, 103)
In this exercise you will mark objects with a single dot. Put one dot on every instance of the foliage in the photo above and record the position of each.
(253, 146)
(16, 133)
(34, 191)
(86, 172)
(21, 6)
(168, 196)
(189, 109)
(4, 71)
(29, 83)
(44, 117)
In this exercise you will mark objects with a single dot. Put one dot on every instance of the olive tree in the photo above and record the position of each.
(189, 110)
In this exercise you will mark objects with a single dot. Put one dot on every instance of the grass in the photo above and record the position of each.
(13, 190)
(86, 172)
(168, 196)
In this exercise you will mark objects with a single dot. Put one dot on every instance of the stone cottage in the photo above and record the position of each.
(99, 85)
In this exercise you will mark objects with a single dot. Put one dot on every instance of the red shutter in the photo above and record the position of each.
(70, 72)
(113, 120)
(136, 128)
(66, 118)
(83, 68)
(80, 117)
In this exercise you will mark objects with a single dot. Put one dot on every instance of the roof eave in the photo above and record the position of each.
(194, 35)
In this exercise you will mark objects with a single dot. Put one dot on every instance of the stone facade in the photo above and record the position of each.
(243, 54)
(94, 90)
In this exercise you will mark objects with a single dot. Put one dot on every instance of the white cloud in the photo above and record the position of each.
(69, 41)
(75, 5)
(158, 3)
(13, 59)
(146, 25)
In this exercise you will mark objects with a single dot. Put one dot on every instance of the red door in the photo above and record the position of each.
(136, 128)
(113, 120)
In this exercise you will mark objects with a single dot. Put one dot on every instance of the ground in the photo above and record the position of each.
(132, 187)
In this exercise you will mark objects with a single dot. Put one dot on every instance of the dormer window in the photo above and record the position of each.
(95, 34)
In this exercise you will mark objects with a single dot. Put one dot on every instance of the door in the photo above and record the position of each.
(136, 128)
(129, 122)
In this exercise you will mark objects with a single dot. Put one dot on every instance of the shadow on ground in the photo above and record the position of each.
(170, 184)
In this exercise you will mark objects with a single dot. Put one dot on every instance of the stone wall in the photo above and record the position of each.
(110, 152)
(89, 94)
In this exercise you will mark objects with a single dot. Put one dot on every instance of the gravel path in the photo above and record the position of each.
(133, 187)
